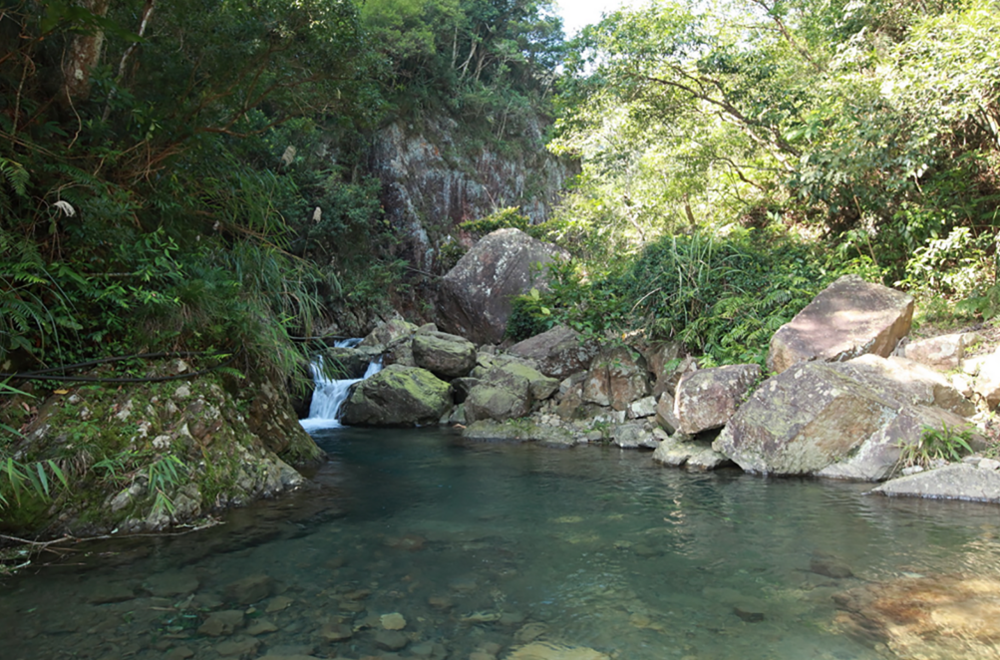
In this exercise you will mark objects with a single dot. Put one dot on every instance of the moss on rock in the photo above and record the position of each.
(150, 455)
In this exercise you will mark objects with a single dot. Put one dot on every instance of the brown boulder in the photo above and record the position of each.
(706, 399)
(475, 296)
(616, 378)
(849, 318)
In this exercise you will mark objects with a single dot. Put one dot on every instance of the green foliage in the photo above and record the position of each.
(721, 296)
(20, 480)
(876, 122)
(490, 63)
(947, 444)
(509, 217)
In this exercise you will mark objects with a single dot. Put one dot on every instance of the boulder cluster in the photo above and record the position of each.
(845, 398)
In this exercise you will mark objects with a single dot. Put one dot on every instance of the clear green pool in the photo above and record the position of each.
(480, 547)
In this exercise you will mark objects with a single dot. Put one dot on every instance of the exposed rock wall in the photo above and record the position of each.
(434, 176)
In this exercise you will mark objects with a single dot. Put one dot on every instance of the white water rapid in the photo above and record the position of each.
(330, 394)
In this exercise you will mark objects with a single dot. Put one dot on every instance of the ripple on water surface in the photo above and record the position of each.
(418, 544)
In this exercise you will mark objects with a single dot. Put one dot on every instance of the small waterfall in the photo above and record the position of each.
(330, 394)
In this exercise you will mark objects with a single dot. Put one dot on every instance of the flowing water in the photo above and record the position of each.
(482, 546)
(330, 393)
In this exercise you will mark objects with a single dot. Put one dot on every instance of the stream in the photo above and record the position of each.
(417, 543)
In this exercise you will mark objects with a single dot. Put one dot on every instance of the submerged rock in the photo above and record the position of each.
(849, 318)
(926, 617)
(397, 396)
(555, 651)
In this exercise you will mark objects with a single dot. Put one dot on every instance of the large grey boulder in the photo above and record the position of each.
(820, 418)
(977, 481)
(558, 352)
(849, 318)
(507, 391)
(446, 356)
(616, 378)
(397, 396)
(474, 300)
(706, 399)
(347, 362)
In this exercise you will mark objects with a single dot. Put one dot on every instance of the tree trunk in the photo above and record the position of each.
(82, 56)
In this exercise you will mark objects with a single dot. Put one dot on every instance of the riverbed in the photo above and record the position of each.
(417, 543)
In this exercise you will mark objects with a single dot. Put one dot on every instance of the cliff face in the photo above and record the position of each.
(435, 176)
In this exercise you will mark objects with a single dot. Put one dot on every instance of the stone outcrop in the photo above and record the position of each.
(976, 480)
(397, 396)
(432, 180)
(347, 362)
(558, 352)
(849, 318)
(987, 383)
(446, 356)
(617, 377)
(388, 333)
(474, 299)
(706, 399)
(820, 418)
(906, 381)
(194, 424)
(507, 391)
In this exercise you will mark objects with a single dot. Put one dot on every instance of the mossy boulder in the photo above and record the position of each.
(446, 356)
(150, 455)
(397, 396)
(507, 391)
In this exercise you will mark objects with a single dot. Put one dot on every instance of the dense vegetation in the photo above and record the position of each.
(869, 130)
(191, 176)
(195, 176)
